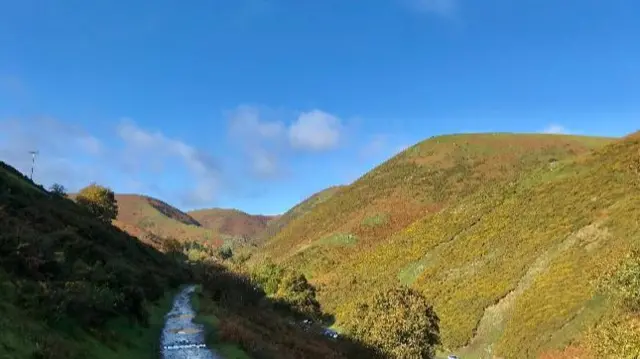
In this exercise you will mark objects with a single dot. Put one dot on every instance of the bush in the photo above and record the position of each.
(289, 288)
(624, 285)
(225, 253)
(58, 190)
(297, 292)
(399, 322)
(100, 201)
(619, 338)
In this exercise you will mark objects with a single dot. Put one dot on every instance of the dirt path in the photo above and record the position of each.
(181, 337)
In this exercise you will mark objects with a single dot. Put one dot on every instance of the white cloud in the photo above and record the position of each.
(245, 121)
(264, 163)
(555, 129)
(145, 147)
(265, 142)
(260, 140)
(67, 154)
(440, 7)
(315, 131)
(73, 157)
(90, 144)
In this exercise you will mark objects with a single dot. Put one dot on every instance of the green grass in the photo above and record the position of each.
(133, 341)
(339, 239)
(472, 219)
(119, 340)
(375, 220)
(72, 285)
(205, 315)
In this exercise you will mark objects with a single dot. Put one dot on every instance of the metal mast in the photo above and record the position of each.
(33, 162)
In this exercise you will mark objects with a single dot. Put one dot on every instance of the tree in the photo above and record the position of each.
(58, 190)
(288, 287)
(296, 290)
(99, 200)
(399, 322)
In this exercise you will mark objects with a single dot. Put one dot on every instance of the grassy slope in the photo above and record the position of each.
(145, 214)
(205, 309)
(469, 219)
(302, 208)
(232, 224)
(59, 266)
(36, 228)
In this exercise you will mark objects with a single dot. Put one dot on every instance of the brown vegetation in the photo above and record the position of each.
(232, 222)
(161, 219)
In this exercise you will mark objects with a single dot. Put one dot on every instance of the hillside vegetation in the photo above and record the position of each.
(232, 224)
(506, 235)
(302, 208)
(142, 215)
(73, 286)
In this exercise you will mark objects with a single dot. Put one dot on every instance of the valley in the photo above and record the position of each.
(508, 236)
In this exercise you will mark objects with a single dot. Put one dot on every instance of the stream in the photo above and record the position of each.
(181, 337)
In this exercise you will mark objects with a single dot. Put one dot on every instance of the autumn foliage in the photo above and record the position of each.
(469, 220)
(399, 322)
(99, 201)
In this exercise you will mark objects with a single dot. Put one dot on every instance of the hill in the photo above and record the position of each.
(232, 224)
(504, 233)
(143, 214)
(73, 286)
(275, 225)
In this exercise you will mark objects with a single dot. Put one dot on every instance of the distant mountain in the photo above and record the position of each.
(150, 215)
(145, 216)
(232, 223)
(503, 233)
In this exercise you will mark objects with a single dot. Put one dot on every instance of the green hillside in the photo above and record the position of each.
(73, 286)
(504, 233)
(275, 225)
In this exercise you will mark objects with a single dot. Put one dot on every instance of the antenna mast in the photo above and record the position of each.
(33, 162)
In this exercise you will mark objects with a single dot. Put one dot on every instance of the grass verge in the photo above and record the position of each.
(133, 341)
(206, 312)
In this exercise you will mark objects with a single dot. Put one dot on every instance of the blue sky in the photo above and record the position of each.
(257, 104)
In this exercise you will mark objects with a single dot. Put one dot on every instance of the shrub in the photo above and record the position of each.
(100, 201)
(297, 292)
(225, 253)
(619, 338)
(619, 335)
(291, 289)
(171, 245)
(399, 322)
(58, 190)
(624, 285)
